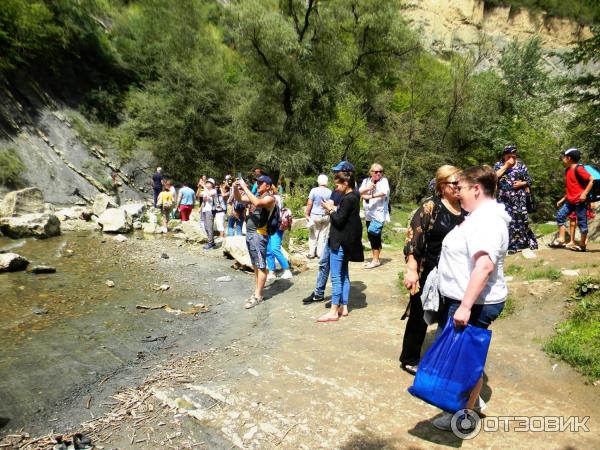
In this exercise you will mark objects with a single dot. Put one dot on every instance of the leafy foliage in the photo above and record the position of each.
(296, 85)
(11, 167)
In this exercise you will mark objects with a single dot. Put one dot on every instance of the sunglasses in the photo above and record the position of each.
(377, 171)
(453, 183)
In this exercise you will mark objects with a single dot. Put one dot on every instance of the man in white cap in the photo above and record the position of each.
(207, 211)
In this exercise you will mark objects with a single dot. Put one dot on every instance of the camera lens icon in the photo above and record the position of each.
(465, 424)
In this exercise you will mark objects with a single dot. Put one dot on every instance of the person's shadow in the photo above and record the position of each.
(277, 287)
(358, 298)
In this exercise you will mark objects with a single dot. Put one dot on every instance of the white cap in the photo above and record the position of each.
(322, 180)
(210, 180)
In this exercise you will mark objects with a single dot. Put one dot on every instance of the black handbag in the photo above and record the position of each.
(530, 202)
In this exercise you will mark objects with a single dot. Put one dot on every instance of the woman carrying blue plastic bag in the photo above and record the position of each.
(471, 267)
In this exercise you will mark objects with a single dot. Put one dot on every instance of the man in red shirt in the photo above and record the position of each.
(575, 199)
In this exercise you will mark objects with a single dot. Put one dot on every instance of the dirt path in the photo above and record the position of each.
(284, 381)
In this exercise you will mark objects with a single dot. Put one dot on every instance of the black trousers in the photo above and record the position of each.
(416, 327)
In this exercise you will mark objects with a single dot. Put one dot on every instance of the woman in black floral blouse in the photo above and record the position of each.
(428, 227)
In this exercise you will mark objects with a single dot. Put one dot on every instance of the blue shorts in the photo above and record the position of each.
(482, 316)
(257, 248)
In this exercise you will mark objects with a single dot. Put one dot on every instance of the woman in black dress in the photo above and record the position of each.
(429, 225)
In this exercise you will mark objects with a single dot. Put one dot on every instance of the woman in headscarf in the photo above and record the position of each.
(513, 183)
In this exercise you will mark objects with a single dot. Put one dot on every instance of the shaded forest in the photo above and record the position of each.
(295, 85)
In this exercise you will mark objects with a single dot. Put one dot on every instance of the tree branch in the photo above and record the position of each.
(309, 8)
(363, 55)
(294, 16)
(287, 91)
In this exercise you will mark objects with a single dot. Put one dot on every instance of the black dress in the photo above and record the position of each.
(346, 228)
(428, 228)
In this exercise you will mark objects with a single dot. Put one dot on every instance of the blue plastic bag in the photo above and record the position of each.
(375, 227)
(451, 367)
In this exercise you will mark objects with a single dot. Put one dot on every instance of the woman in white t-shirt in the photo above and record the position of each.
(470, 271)
(375, 193)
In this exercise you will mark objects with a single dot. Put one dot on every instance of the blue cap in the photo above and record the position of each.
(343, 166)
(264, 179)
(510, 149)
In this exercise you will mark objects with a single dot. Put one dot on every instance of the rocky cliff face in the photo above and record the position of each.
(58, 159)
(460, 25)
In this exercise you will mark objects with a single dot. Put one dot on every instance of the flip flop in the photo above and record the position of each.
(327, 318)
(372, 265)
(575, 248)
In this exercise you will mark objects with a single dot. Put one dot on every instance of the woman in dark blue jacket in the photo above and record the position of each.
(345, 242)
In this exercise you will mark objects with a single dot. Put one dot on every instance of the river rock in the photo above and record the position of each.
(80, 225)
(224, 279)
(594, 227)
(39, 311)
(115, 220)
(137, 225)
(12, 262)
(110, 283)
(74, 213)
(24, 201)
(101, 203)
(299, 223)
(37, 225)
(135, 210)
(120, 238)
(235, 247)
(193, 232)
(43, 269)
(151, 228)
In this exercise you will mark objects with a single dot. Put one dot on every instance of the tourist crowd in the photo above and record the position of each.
(455, 246)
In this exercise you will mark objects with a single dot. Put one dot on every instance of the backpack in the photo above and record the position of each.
(594, 171)
(274, 221)
(285, 219)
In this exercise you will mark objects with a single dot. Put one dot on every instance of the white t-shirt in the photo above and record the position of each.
(208, 198)
(484, 230)
(377, 208)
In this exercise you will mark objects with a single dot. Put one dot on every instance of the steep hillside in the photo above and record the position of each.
(52, 141)
(459, 25)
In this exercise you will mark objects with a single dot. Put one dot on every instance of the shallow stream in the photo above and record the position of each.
(63, 331)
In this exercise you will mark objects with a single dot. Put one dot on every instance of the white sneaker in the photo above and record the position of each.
(287, 274)
(271, 276)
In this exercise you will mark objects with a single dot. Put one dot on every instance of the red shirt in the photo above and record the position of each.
(574, 189)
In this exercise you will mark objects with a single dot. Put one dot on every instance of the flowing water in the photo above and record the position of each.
(66, 330)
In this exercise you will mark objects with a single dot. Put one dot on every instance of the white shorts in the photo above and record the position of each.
(220, 221)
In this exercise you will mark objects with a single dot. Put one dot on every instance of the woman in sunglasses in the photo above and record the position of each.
(429, 225)
(375, 193)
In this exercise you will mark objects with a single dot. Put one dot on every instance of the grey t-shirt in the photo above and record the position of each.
(317, 195)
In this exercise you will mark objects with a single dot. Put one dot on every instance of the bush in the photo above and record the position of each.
(11, 168)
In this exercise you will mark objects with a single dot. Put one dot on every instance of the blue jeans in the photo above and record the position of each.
(581, 212)
(274, 251)
(231, 222)
(482, 316)
(323, 273)
(340, 279)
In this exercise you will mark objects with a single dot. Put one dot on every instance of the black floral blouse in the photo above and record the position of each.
(427, 228)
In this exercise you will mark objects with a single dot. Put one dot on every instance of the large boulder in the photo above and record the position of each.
(135, 210)
(235, 247)
(115, 220)
(38, 225)
(74, 213)
(11, 262)
(79, 225)
(151, 228)
(101, 203)
(25, 201)
(193, 232)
